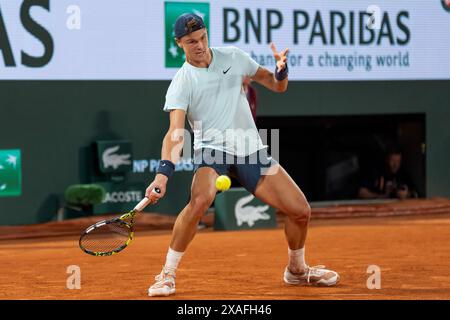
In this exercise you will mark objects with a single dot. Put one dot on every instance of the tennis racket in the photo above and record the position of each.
(108, 237)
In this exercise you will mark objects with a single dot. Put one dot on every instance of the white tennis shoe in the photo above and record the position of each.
(316, 276)
(164, 284)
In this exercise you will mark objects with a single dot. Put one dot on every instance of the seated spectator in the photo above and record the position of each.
(391, 182)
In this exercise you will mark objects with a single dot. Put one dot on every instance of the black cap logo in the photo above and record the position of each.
(191, 25)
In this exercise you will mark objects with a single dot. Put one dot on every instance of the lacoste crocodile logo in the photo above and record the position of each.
(249, 214)
(115, 160)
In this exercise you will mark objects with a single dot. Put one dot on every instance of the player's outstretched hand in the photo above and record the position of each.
(280, 57)
(160, 182)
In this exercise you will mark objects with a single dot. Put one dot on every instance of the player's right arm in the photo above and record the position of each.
(268, 79)
(171, 150)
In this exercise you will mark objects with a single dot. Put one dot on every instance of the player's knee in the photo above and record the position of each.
(199, 204)
(300, 213)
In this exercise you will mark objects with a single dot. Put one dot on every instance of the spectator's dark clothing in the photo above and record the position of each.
(377, 182)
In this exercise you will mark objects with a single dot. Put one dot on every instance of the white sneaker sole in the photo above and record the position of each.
(321, 283)
(160, 292)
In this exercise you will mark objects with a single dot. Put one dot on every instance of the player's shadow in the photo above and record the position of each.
(48, 209)
(88, 170)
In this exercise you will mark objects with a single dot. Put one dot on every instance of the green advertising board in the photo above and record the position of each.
(120, 197)
(115, 156)
(238, 209)
(174, 55)
(10, 173)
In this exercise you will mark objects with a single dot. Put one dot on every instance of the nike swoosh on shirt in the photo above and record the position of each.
(225, 71)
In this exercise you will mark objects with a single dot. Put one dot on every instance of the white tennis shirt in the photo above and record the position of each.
(215, 102)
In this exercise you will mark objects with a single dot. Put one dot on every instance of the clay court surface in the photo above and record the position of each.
(412, 252)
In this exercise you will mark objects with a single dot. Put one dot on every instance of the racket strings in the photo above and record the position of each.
(106, 238)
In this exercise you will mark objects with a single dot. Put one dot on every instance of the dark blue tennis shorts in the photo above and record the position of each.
(246, 170)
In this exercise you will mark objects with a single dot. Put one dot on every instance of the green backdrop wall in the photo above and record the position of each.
(55, 122)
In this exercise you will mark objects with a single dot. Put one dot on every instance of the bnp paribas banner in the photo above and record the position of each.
(10, 173)
(328, 40)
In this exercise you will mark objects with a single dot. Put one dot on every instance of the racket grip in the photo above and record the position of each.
(145, 202)
(142, 204)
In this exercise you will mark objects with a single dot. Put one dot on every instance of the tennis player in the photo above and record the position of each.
(208, 90)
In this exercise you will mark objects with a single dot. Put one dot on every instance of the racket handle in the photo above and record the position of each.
(145, 202)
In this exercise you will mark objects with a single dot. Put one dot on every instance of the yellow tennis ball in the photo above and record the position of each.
(223, 183)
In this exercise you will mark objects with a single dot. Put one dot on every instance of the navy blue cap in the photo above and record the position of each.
(187, 23)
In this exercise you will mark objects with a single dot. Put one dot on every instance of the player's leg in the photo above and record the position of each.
(280, 191)
(203, 192)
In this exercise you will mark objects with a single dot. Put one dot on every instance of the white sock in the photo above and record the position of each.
(297, 259)
(172, 260)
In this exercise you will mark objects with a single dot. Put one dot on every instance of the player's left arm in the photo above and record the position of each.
(277, 81)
